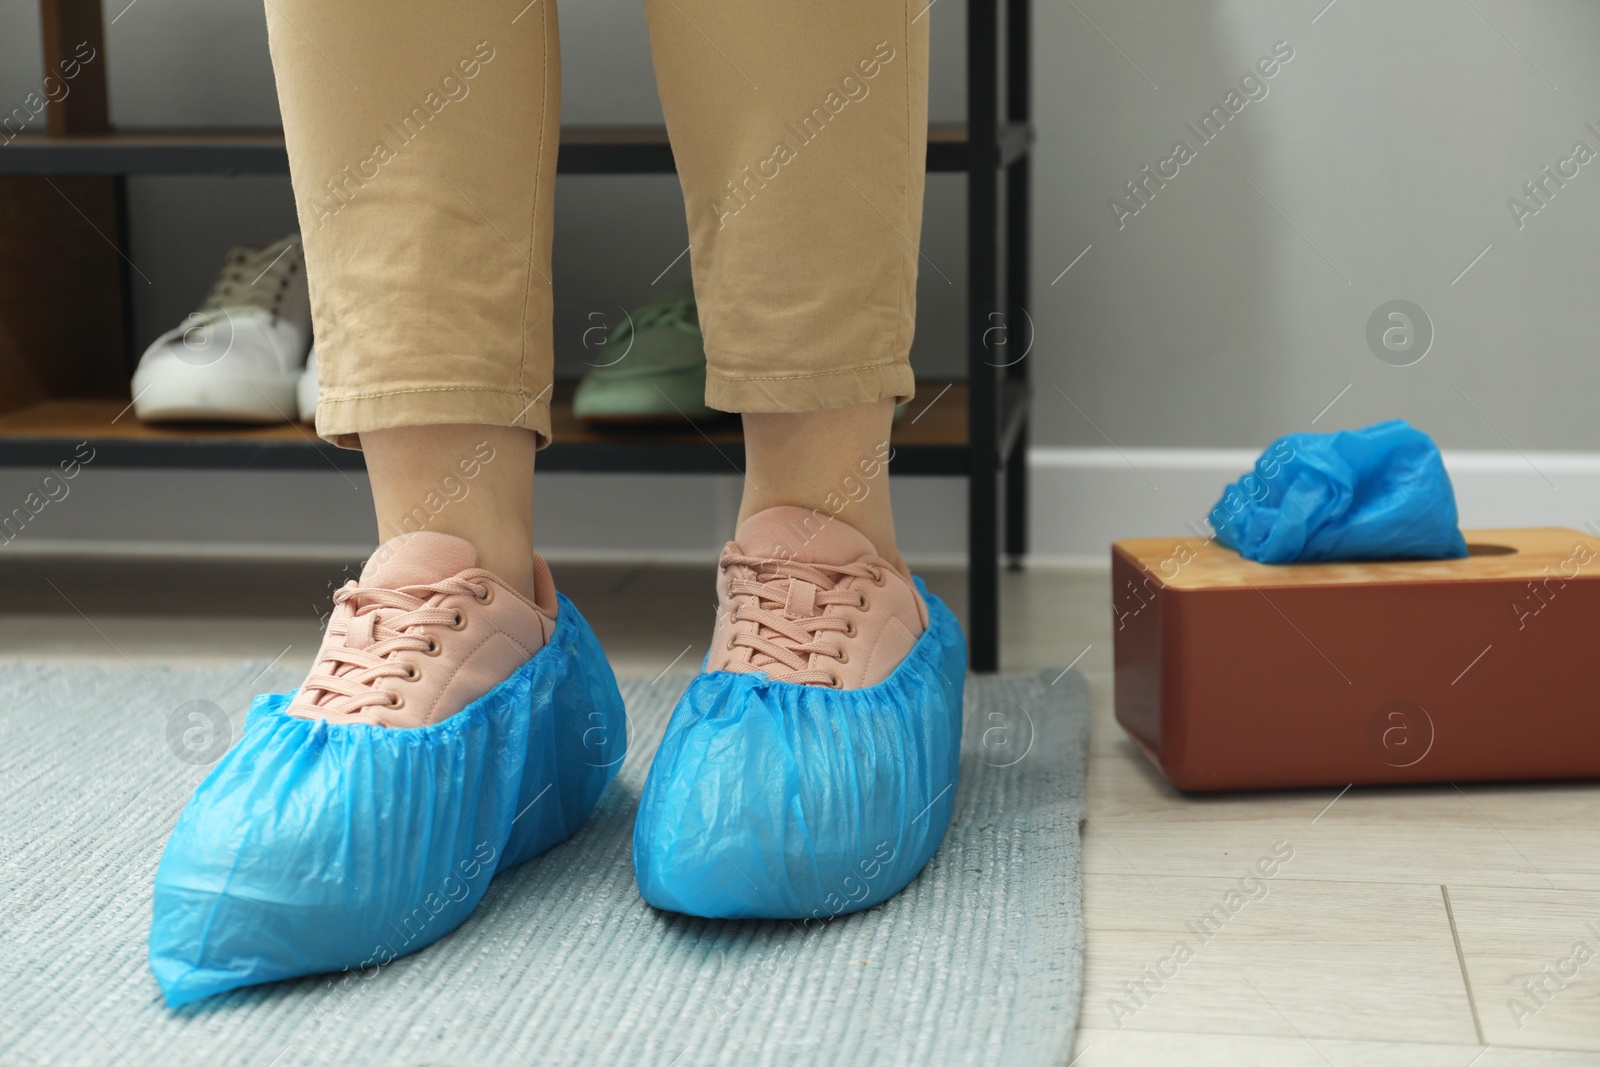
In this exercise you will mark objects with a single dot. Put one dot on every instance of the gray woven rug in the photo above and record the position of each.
(980, 960)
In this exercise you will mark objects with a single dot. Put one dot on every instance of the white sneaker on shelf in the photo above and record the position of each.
(307, 389)
(238, 357)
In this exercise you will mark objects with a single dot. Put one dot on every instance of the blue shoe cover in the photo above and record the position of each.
(1373, 494)
(771, 800)
(312, 848)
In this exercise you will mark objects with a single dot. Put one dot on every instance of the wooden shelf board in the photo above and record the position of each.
(932, 437)
(584, 149)
(575, 136)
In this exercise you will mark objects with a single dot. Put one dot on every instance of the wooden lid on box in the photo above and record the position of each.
(1517, 554)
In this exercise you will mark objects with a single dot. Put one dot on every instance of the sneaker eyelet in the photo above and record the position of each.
(841, 655)
(396, 700)
(433, 646)
(861, 601)
(730, 645)
(879, 577)
(836, 684)
(413, 672)
(487, 596)
(850, 628)
(460, 623)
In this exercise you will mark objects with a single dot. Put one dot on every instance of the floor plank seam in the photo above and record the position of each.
(1342, 881)
(1461, 958)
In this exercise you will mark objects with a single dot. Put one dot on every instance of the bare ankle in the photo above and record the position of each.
(474, 482)
(834, 463)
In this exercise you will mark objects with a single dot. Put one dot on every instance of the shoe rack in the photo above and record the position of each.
(67, 347)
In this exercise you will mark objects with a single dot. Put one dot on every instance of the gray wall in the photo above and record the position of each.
(1221, 314)
(1389, 144)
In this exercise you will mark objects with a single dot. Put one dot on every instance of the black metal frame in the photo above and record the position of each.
(994, 153)
(997, 291)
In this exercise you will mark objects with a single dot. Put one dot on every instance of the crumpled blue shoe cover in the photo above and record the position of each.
(774, 800)
(1373, 494)
(312, 848)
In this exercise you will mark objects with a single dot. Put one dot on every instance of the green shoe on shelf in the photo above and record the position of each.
(652, 367)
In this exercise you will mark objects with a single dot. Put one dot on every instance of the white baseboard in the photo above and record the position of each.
(1082, 499)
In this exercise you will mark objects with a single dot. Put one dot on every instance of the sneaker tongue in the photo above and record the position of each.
(419, 558)
(801, 535)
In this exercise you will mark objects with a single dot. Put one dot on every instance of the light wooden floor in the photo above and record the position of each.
(1406, 929)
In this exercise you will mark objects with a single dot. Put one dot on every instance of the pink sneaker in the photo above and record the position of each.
(809, 601)
(424, 633)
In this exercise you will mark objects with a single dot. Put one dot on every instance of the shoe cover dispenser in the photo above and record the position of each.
(313, 847)
(782, 801)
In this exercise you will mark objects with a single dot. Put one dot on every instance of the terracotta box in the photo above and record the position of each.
(1239, 675)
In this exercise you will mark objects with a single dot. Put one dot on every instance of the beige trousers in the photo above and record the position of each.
(422, 143)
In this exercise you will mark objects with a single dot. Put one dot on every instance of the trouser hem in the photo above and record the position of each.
(342, 420)
(821, 391)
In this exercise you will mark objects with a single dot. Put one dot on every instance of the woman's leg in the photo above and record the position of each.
(423, 153)
(800, 133)
(422, 144)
